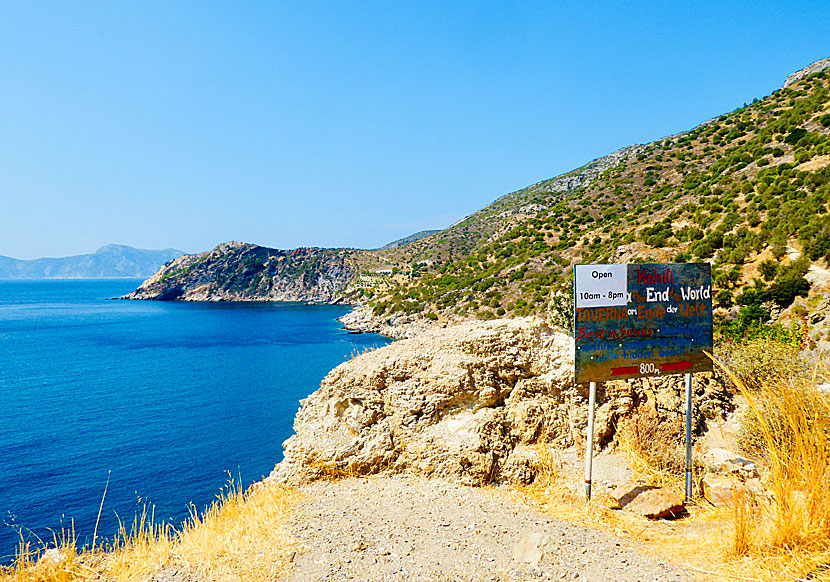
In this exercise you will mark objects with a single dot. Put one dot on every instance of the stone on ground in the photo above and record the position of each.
(652, 502)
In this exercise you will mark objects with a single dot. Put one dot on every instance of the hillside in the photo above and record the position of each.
(747, 191)
(109, 261)
(237, 271)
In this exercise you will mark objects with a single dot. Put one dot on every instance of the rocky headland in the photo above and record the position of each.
(238, 271)
(468, 403)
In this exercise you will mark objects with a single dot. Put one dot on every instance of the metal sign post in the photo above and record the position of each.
(633, 321)
(589, 446)
(688, 437)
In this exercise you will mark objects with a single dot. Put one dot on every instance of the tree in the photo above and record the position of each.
(786, 287)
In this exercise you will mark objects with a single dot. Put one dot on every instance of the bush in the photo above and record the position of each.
(795, 135)
(786, 287)
(723, 298)
(765, 354)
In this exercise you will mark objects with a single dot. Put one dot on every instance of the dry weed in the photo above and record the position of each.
(654, 448)
(238, 537)
(790, 531)
(785, 536)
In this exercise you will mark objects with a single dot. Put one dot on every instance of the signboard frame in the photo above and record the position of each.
(641, 320)
(663, 327)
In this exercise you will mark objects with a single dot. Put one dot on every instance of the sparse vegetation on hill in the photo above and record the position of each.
(743, 191)
(747, 191)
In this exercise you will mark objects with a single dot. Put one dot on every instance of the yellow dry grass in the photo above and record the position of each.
(239, 537)
(788, 534)
(785, 536)
(653, 447)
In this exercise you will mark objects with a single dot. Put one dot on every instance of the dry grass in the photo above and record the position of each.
(239, 537)
(785, 536)
(329, 471)
(790, 531)
(654, 448)
(357, 352)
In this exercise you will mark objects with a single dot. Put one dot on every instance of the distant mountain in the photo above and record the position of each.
(110, 261)
(409, 239)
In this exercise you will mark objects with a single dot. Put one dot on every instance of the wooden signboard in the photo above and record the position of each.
(641, 320)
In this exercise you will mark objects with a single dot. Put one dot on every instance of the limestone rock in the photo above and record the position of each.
(466, 402)
(719, 490)
(740, 467)
(808, 70)
(652, 502)
(361, 319)
(521, 467)
(52, 556)
(723, 490)
(449, 403)
(533, 548)
(724, 461)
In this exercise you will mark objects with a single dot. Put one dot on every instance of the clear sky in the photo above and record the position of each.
(187, 124)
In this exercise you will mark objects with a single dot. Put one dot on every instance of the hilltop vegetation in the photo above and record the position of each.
(747, 191)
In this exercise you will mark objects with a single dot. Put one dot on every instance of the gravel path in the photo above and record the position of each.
(406, 528)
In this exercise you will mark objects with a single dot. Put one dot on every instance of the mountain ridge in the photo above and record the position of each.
(108, 261)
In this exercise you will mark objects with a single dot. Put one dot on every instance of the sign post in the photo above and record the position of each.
(688, 436)
(633, 321)
(589, 448)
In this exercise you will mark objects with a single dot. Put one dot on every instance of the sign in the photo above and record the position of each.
(659, 323)
(600, 285)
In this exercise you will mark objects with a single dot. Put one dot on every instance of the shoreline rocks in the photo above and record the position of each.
(361, 320)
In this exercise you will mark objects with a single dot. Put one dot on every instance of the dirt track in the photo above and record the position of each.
(405, 528)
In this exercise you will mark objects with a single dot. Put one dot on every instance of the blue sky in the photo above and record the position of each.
(177, 124)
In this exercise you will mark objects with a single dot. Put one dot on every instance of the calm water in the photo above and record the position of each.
(166, 399)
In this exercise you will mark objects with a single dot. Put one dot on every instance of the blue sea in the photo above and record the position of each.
(167, 401)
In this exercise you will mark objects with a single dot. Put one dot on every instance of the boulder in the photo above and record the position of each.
(722, 490)
(719, 490)
(464, 402)
(651, 502)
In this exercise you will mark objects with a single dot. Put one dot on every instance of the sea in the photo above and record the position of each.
(145, 404)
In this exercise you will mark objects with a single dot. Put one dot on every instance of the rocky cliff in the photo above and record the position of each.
(244, 272)
(468, 403)
(816, 67)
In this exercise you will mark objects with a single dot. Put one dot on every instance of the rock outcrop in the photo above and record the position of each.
(468, 402)
(816, 67)
(398, 326)
(237, 271)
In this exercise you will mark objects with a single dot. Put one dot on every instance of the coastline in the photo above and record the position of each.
(361, 320)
